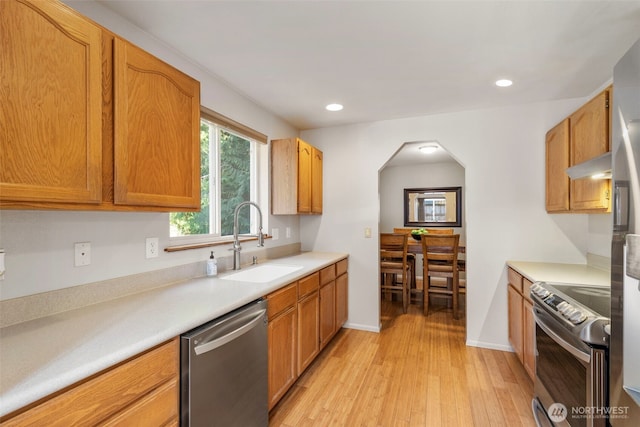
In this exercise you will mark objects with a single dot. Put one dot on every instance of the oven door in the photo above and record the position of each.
(570, 375)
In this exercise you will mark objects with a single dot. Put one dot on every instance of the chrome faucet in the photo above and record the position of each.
(236, 241)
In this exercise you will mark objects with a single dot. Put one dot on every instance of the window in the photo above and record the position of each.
(228, 177)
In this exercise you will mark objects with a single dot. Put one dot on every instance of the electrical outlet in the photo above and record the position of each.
(83, 254)
(288, 232)
(152, 247)
(275, 233)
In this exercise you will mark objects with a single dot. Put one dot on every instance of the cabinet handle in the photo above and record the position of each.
(212, 345)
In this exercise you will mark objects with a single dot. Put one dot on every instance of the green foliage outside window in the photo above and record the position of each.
(235, 186)
(235, 182)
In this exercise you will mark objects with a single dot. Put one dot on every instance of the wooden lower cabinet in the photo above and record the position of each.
(144, 391)
(303, 317)
(515, 321)
(529, 339)
(327, 312)
(342, 300)
(521, 322)
(308, 321)
(282, 341)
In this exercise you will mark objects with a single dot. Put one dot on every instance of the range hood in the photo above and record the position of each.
(597, 168)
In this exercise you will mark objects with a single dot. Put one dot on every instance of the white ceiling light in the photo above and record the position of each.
(504, 83)
(334, 107)
(428, 149)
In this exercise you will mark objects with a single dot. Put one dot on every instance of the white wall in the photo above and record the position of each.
(502, 152)
(39, 244)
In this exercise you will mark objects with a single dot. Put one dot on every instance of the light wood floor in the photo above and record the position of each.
(416, 372)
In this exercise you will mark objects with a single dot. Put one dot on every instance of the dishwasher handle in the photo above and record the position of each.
(219, 342)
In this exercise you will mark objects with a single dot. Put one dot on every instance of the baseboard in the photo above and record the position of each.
(489, 345)
(361, 327)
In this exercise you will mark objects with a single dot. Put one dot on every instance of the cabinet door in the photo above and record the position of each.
(308, 330)
(327, 312)
(304, 176)
(51, 115)
(342, 300)
(156, 132)
(316, 181)
(557, 161)
(282, 354)
(589, 128)
(515, 321)
(529, 340)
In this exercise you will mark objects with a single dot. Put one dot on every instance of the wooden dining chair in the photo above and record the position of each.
(393, 262)
(411, 259)
(440, 259)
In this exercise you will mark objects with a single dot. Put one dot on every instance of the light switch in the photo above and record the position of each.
(367, 232)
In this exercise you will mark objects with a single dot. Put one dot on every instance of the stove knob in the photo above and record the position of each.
(562, 306)
(577, 317)
(569, 311)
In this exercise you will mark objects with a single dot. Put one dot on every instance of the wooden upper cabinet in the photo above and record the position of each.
(156, 131)
(51, 115)
(590, 138)
(557, 161)
(296, 177)
(304, 176)
(316, 180)
(580, 137)
(89, 121)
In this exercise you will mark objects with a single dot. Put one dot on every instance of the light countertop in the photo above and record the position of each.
(45, 355)
(582, 274)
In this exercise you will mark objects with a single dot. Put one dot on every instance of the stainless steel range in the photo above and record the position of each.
(571, 354)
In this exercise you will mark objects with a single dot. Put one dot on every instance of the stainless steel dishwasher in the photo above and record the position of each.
(224, 370)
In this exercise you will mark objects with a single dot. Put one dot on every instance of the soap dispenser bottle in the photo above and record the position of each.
(212, 266)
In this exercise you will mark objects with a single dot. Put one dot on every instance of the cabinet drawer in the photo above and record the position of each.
(158, 408)
(515, 279)
(526, 288)
(282, 299)
(341, 267)
(108, 393)
(327, 274)
(308, 284)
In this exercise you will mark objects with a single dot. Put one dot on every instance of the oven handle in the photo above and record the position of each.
(585, 357)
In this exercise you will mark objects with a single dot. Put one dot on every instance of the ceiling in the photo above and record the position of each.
(393, 59)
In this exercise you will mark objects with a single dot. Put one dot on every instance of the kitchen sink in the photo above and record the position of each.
(262, 273)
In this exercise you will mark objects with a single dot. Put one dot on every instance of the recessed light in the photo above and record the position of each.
(504, 83)
(428, 149)
(334, 107)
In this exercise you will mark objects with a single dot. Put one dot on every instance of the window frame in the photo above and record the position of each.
(259, 140)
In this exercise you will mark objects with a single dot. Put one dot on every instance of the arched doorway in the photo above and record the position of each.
(410, 168)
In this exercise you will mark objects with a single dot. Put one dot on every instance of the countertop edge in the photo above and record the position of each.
(583, 274)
